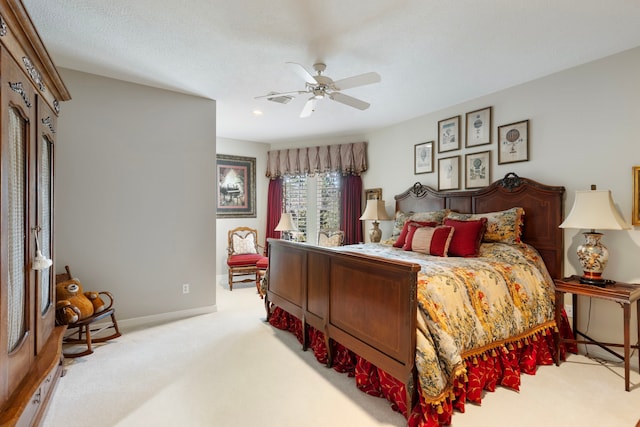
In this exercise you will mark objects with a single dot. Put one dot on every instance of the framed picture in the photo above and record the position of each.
(478, 125)
(236, 186)
(373, 194)
(449, 173)
(477, 169)
(513, 142)
(423, 158)
(635, 215)
(449, 134)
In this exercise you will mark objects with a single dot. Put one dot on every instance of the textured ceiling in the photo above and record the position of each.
(430, 53)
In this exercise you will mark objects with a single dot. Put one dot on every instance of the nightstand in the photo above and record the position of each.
(624, 294)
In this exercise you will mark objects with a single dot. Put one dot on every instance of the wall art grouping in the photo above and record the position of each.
(512, 147)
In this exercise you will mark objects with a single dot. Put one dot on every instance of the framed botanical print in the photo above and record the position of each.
(478, 125)
(449, 134)
(236, 186)
(423, 158)
(477, 169)
(513, 142)
(449, 173)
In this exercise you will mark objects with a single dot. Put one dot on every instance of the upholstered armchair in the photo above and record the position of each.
(243, 254)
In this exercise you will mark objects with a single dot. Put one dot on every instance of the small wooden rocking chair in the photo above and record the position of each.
(85, 330)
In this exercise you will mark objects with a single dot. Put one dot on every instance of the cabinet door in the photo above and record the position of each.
(45, 292)
(16, 278)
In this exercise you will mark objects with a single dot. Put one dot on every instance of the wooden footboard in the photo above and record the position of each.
(368, 304)
(365, 303)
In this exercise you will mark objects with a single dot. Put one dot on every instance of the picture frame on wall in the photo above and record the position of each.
(513, 142)
(635, 215)
(423, 158)
(373, 194)
(449, 173)
(236, 186)
(477, 169)
(478, 126)
(449, 134)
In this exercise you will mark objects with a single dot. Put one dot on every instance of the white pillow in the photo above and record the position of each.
(244, 245)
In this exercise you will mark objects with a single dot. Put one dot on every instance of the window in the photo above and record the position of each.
(314, 202)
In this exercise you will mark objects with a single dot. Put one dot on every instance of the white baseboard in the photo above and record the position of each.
(165, 317)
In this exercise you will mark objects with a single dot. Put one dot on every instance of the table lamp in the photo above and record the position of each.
(285, 226)
(594, 210)
(375, 211)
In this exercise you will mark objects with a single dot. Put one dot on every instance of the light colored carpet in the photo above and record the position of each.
(230, 368)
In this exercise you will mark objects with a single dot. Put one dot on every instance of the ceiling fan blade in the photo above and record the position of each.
(359, 80)
(276, 94)
(302, 72)
(349, 100)
(309, 107)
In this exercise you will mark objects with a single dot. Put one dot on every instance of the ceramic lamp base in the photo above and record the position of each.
(375, 234)
(593, 257)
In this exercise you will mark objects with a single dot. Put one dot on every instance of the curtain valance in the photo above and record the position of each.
(349, 159)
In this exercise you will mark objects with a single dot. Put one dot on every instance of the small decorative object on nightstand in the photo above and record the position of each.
(375, 211)
(624, 294)
(594, 210)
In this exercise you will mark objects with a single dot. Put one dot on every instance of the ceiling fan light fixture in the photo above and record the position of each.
(320, 87)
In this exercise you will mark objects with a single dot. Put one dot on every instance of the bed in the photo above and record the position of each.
(376, 312)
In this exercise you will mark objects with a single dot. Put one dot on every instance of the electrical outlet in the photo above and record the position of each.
(185, 288)
(569, 309)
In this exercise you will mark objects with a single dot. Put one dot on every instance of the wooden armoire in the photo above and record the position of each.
(30, 342)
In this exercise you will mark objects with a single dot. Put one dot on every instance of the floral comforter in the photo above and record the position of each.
(470, 306)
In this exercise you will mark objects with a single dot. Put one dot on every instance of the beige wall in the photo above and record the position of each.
(135, 211)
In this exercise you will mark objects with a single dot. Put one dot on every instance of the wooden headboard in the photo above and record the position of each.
(543, 207)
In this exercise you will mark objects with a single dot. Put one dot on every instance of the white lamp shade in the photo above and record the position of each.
(285, 223)
(375, 210)
(594, 210)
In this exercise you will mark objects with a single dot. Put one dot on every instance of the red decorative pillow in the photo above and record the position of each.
(402, 239)
(466, 237)
(432, 240)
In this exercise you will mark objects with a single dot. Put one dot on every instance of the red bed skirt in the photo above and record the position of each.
(484, 372)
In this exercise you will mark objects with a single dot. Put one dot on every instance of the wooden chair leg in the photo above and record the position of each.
(230, 280)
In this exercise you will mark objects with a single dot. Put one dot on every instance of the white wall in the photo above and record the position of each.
(223, 225)
(135, 211)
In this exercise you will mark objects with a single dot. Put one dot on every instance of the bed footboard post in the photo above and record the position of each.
(411, 394)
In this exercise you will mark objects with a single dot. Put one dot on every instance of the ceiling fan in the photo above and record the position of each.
(320, 86)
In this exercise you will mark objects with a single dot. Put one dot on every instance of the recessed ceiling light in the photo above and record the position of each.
(257, 112)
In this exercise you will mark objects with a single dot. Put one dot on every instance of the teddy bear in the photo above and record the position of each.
(73, 305)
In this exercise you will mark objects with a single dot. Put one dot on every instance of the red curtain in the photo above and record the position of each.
(274, 209)
(351, 205)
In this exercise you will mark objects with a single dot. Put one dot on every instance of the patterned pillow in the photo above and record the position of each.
(502, 227)
(432, 240)
(398, 224)
(244, 245)
(435, 216)
(466, 237)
